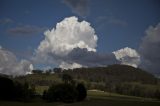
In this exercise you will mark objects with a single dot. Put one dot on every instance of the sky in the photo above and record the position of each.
(71, 33)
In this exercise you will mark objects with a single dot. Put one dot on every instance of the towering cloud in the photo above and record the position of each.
(150, 50)
(11, 66)
(72, 44)
(69, 34)
(128, 56)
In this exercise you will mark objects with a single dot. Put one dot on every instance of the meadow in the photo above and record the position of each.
(94, 98)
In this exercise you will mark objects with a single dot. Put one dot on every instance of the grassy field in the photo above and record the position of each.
(95, 98)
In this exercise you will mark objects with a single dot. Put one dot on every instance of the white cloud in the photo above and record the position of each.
(68, 35)
(128, 56)
(65, 65)
(150, 50)
(11, 66)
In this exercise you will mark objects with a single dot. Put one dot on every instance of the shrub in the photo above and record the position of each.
(61, 92)
(10, 90)
(6, 88)
(82, 92)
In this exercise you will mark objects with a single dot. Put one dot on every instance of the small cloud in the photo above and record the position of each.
(128, 56)
(25, 30)
(80, 7)
(65, 65)
(6, 21)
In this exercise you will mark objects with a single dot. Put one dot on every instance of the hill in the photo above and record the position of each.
(120, 79)
(113, 74)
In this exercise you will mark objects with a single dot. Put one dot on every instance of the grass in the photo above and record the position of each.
(95, 98)
(40, 89)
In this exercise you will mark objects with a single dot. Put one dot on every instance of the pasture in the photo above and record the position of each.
(94, 98)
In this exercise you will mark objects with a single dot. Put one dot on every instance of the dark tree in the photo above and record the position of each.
(67, 78)
(37, 71)
(44, 96)
(6, 88)
(82, 92)
(61, 92)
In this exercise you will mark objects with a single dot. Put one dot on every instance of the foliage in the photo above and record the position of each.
(6, 88)
(82, 92)
(61, 92)
(95, 98)
(114, 78)
(10, 90)
(67, 79)
(65, 92)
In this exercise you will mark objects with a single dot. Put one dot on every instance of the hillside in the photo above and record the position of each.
(113, 73)
(120, 79)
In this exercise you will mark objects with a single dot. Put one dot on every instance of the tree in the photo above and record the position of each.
(61, 92)
(6, 88)
(10, 90)
(23, 92)
(82, 92)
(67, 79)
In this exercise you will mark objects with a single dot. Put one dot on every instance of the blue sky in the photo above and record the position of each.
(117, 23)
(132, 18)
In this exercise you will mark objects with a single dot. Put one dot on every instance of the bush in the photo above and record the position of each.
(61, 92)
(10, 90)
(66, 91)
(82, 92)
(23, 92)
(6, 89)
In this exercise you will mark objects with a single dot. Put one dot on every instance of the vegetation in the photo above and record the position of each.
(70, 85)
(82, 92)
(94, 98)
(65, 92)
(120, 79)
(10, 90)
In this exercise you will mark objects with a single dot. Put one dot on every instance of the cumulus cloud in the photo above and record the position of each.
(150, 50)
(11, 66)
(67, 35)
(128, 56)
(80, 7)
(25, 30)
(72, 44)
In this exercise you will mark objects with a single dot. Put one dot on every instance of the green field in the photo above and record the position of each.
(95, 98)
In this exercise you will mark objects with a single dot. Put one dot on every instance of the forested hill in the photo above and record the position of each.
(120, 79)
(113, 74)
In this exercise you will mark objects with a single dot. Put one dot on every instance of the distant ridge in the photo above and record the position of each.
(113, 73)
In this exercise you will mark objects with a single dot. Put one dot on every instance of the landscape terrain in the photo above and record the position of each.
(114, 85)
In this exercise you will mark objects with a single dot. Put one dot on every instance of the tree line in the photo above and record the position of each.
(120, 79)
(68, 91)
